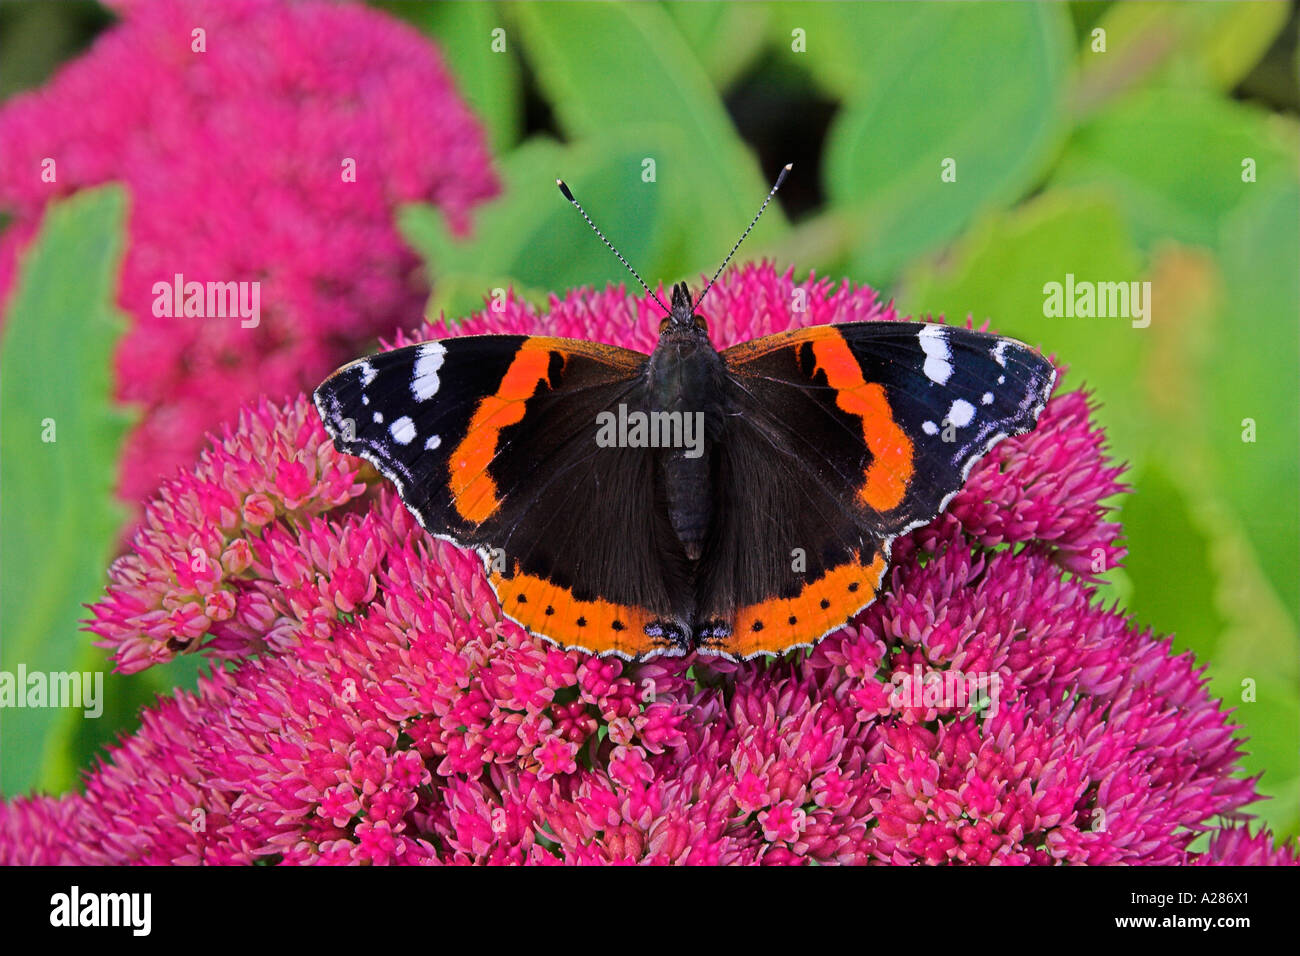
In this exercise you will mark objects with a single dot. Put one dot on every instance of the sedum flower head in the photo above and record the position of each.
(234, 161)
(379, 709)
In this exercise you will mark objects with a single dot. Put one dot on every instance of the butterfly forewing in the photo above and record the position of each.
(893, 414)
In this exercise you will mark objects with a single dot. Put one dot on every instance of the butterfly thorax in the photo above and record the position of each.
(685, 379)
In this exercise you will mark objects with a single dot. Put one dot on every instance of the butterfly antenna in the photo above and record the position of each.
(576, 205)
(775, 186)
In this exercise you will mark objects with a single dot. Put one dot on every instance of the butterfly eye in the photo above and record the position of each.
(663, 326)
(701, 324)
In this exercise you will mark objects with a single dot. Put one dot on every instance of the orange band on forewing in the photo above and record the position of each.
(547, 609)
(774, 625)
(891, 465)
(473, 491)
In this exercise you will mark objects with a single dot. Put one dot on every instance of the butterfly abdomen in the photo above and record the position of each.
(688, 488)
(685, 388)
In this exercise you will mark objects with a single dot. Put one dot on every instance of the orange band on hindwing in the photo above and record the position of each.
(886, 478)
(602, 627)
(776, 624)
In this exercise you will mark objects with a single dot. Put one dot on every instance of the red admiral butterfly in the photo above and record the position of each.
(764, 528)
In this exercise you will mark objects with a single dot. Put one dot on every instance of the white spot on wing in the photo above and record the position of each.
(961, 413)
(402, 430)
(368, 373)
(424, 383)
(934, 343)
(999, 353)
(432, 442)
(987, 399)
(930, 428)
(379, 418)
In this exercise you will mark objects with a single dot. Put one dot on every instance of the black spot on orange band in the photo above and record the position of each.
(773, 625)
(603, 627)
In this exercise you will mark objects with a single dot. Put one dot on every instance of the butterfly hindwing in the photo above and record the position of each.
(491, 441)
(787, 561)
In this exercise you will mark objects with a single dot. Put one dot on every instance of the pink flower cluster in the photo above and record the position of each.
(234, 162)
(381, 710)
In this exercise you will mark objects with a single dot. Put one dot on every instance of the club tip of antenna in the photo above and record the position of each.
(564, 189)
(788, 166)
(781, 176)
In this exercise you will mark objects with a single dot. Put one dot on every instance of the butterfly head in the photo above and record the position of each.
(682, 318)
(683, 323)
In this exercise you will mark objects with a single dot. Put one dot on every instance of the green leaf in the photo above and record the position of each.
(35, 38)
(74, 742)
(1199, 528)
(1254, 669)
(1169, 564)
(998, 272)
(1173, 397)
(949, 83)
(725, 37)
(60, 516)
(458, 294)
(533, 239)
(1254, 380)
(606, 66)
(1173, 161)
(839, 43)
(1269, 735)
(488, 80)
(1211, 45)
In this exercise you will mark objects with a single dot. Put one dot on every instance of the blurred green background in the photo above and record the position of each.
(1108, 140)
